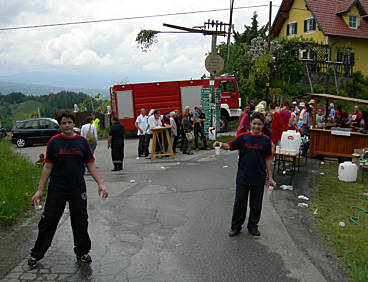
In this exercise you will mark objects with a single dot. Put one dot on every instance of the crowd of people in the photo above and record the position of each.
(185, 128)
(299, 117)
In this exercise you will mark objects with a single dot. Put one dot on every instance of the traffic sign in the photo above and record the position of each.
(214, 64)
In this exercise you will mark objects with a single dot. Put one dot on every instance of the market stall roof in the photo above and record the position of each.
(320, 96)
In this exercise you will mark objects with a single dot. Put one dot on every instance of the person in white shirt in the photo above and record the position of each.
(89, 131)
(153, 121)
(141, 124)
(174, 130)
(303, 110)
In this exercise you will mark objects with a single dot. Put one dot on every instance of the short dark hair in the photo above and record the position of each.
(89, 119)
(66, 115)
(257, 115)
(156, 112)
(115, 118)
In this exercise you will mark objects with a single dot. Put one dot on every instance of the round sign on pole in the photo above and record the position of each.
(214, 64)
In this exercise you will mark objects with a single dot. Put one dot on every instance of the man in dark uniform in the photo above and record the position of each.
(199, 118)
(254, 163)
(116, 142)
(67, 154)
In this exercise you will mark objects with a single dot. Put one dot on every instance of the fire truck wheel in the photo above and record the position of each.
(223, 123)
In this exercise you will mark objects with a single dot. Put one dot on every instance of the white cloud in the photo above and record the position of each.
(111, 46)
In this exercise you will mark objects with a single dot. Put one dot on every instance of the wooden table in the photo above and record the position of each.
(322, 142)
(164, 133)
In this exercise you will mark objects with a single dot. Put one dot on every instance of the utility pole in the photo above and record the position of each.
(220, 29)
(229, 31)
(269, 49)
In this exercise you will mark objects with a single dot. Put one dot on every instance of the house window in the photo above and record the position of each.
(309, 25)
(292, 29)
(353, 21)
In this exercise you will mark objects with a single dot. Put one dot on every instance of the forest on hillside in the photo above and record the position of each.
(18, 106)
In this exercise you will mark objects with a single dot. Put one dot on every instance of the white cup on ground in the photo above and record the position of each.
(217, 150)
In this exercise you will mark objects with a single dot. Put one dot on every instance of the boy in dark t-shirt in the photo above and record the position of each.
(255, 155)
(66, 155)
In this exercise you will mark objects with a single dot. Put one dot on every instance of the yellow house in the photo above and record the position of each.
(336, 23)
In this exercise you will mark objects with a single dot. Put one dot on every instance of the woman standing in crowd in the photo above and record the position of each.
(276, 126)
(89, 132)
(174, 131)
(188, 128)
(267, 125)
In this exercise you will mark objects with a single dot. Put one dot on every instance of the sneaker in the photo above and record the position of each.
(254, 231)
(234, 232)
(85, 258)
(32, 262)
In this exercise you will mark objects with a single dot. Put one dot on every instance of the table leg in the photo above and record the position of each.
(162, 142)
(153, 149)
(274, 167)
(292, 170)
(169, 144)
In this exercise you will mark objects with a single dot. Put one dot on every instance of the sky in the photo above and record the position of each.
(106, 53)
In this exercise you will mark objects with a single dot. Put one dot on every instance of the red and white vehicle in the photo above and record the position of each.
(128, 99)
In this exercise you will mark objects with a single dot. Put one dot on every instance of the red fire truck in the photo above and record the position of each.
(128, 99)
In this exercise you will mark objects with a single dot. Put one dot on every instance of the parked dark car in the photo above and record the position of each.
(35, 131)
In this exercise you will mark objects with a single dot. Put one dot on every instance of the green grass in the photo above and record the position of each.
(334, 200)
(19, 181)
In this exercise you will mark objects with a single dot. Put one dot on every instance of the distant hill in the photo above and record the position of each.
(38, 89)
(18, 106)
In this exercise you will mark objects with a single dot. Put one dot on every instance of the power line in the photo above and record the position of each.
(128, 18)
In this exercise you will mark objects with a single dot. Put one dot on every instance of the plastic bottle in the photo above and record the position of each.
(37, 205)
(270, 189)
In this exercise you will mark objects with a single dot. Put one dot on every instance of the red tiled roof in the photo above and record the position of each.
(344, 6)
(333, 24)
(326, 12)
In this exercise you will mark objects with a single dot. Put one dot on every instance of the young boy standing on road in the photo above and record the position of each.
(66, 155)
(255, 155)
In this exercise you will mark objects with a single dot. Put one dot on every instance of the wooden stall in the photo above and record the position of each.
(328, 142)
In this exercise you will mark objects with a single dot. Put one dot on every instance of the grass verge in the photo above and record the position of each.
(334, 200)
(19, 181)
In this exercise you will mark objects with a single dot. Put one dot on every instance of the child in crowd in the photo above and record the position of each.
(41, 161)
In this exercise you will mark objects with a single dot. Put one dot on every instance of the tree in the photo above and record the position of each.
(145, 38)
(250, 32)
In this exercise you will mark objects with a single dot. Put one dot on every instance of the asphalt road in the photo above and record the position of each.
(167, 220)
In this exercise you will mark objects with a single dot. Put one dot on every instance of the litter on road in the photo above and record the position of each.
(163, 167)
(315, 212)
(287, 187)
(303, 205)
(132, 181)
(225, 166)
(322, 163)
(342, 224)
(302, 197)
(322, 173)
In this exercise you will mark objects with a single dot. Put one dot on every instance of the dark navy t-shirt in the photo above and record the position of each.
(254, 149)
(68, 156)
